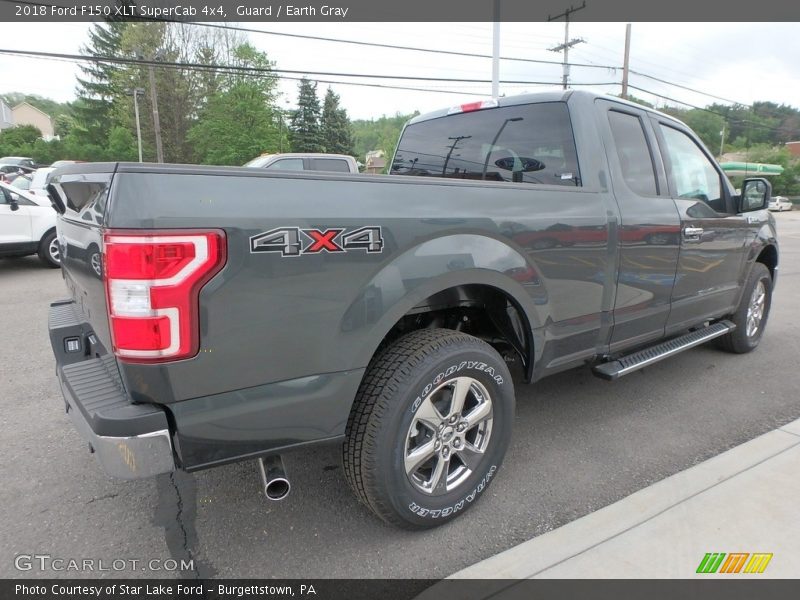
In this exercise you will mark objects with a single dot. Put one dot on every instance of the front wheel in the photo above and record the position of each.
(751, 315)
(49, 252)
(429, 427)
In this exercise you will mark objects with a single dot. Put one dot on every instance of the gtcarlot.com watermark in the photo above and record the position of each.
(48, 562)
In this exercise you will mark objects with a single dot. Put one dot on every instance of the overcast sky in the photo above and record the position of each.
(737, 61)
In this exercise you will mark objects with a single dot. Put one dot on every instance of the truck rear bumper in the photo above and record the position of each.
(126, 457)
(131, 441)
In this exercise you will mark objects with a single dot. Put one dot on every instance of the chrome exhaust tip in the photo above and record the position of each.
(273, 478)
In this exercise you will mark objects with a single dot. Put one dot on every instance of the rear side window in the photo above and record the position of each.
(530, 143)
(633, 153)
(331, 164)
(287, 164)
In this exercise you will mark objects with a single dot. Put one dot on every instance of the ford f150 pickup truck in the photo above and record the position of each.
(240, 313)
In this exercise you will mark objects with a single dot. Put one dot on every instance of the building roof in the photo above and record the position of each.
(32, 106)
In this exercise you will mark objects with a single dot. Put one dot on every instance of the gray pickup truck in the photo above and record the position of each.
(223, 314)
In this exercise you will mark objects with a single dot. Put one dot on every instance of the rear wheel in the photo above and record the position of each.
(49, 252)
(429, 427)
(751, 315)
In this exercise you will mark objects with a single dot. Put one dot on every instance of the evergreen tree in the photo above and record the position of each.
(337, 136)
(97, 90)
(306, 128)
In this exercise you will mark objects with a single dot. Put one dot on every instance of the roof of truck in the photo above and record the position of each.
(544, 96)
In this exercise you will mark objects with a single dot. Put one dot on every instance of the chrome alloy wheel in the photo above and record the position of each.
(96, 263)
(448, 436)
(53, 251)
(755, 309)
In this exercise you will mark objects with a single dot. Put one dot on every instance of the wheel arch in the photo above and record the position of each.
(502, 305)
(769, 258)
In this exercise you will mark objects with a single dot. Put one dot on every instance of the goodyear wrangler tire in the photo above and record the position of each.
(429, 427)
(751, 314)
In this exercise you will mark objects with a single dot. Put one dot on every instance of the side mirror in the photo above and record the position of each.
(755, 194)
(12, 202)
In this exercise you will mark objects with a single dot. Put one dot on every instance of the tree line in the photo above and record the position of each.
(216, 98)
(218, 103)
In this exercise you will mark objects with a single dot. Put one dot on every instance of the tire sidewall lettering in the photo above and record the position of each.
(424, 512)
(445, 374)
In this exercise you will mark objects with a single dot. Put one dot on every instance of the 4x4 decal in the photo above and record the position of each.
(294, 241)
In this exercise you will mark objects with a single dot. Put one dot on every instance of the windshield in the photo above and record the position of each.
(22, 183)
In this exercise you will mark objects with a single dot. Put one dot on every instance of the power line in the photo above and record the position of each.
(678, 85)
(341, 41)
(714, 112)
(278, 73)
(394, 46)
(189, 65)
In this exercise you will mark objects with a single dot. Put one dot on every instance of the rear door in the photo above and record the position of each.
(648, 230)
(332, 165)
(713, 235)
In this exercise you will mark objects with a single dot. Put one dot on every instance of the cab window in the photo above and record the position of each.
(633, 152)
(527, 143)
(335, 165)
(691, 173)
(287, 164)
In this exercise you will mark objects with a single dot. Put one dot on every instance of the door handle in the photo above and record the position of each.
(692, 233)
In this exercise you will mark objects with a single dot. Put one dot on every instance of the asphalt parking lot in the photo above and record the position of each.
(579, 444)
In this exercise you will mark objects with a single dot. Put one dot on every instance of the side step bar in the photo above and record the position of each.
(633, 362)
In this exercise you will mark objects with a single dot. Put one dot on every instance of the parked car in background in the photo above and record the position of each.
(337, 163)
(62, 163)
(780, 203)
(39, 180)
(9, 172)
(27, 226)
(21, 182)
(19, 161)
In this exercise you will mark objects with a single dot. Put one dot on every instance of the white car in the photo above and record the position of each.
(780, 203)
(27, 226)
(39, 180)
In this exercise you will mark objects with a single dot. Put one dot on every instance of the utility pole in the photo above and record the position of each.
(722, 140)
(455, 139)
(568, 43)
(626, 61)
(156, 122)
(136, 92)
(496, 50)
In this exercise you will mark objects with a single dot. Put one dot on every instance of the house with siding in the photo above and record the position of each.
(26, 114)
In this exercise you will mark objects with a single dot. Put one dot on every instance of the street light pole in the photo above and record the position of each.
(494, 143)
(156, 121)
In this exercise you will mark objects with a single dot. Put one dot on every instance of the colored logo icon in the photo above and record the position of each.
(734, 562)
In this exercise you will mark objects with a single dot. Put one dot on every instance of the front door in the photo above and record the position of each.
(713, 235)
(15, 225)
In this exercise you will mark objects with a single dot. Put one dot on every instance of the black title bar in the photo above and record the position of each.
(444, 11)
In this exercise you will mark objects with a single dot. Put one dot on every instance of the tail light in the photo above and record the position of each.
(152, 286)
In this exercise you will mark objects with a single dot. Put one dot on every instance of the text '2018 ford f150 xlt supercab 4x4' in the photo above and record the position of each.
(239, 313)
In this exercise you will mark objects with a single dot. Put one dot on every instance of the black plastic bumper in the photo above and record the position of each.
(131, 441)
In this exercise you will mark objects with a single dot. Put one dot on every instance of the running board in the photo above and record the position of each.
(633, 362)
